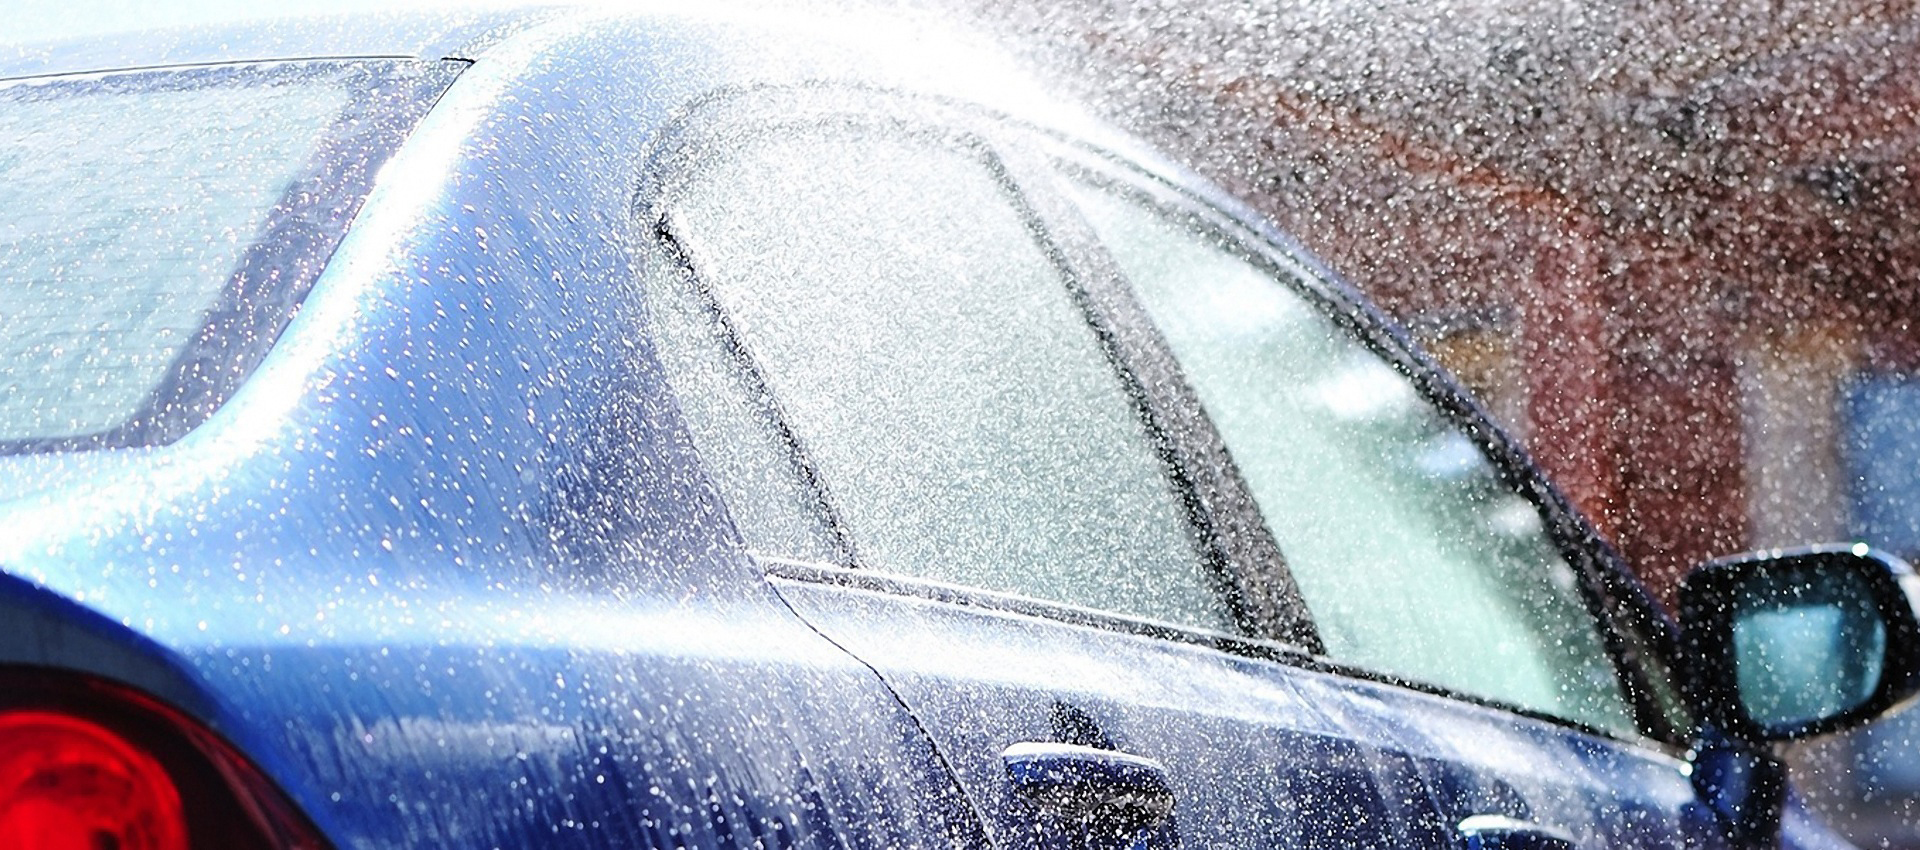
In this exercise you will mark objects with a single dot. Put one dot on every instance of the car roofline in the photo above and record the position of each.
(446, 34)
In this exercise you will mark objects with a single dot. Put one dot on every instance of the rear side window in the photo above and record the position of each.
(910, 341)
(1413, 556)
(156, 229)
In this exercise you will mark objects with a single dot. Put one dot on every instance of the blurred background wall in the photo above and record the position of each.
(1675, 246)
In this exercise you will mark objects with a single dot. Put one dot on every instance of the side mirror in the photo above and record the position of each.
(1789, 644)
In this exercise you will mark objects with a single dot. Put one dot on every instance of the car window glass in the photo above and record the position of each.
(161, 225)
(937, 372)
(1413, 556)
(751, 461)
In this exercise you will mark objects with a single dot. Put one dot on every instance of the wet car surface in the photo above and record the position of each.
(710, 430)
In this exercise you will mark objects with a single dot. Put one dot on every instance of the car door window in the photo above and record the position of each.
(744, 447)
(1413, 556)
(915, 359)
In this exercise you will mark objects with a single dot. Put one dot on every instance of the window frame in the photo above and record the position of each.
(1028, 162)
(1261, 611)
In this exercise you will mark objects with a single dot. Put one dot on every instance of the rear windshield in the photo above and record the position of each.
(158, 229)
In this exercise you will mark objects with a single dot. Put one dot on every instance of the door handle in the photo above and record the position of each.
(1109, 798)
(1499, 832)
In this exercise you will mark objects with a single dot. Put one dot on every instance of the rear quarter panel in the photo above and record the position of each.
(446, 567)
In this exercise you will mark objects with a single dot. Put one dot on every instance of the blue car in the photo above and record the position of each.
(688, 428)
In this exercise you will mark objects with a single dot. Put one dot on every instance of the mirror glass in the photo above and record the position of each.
(1807, 645)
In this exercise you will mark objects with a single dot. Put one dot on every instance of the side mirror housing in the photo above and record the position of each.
(1789, 644)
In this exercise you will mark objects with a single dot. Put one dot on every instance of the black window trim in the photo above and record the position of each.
(1266, 601)
(898, 585)
(822, 500)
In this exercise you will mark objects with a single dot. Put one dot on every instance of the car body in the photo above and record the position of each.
(705, 428)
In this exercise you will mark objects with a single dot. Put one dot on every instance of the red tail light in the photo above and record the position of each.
(89, 765)
(67, 784)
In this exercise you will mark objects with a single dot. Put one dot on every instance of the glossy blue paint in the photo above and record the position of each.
(1259, 752)
(449, 570)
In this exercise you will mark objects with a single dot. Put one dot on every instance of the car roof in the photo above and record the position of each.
(910, 50)
(929, 54)
(193, 32)
(939, 55)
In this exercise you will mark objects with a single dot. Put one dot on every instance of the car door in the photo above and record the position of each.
(964, 453)
(1432, 558)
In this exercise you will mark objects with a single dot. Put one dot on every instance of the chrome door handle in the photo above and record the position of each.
(1499, 832)
(1106, 793)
